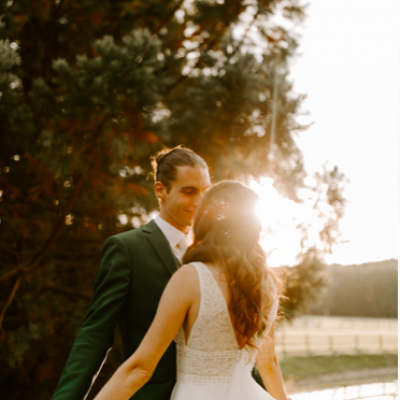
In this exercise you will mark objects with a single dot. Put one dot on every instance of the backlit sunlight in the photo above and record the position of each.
(286, 223)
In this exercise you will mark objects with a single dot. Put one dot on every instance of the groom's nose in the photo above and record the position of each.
(194, 204)
(197, 199)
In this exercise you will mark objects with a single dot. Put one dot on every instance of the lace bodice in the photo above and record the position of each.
(212, 352)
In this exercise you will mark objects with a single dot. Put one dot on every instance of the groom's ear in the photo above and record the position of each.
(161, 191)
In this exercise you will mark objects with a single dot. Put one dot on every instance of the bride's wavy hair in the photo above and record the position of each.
(226, 232)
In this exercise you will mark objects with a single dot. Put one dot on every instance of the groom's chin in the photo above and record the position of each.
(189, 221)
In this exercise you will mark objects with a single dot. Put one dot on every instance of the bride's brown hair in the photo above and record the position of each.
(227, 232)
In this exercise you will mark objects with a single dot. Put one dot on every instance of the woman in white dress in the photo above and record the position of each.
(219, 307)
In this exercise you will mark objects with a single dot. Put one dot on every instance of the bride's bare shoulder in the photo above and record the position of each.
(187, 275)
(183, 288)
(187, 271)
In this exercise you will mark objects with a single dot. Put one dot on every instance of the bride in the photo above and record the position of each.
(219, 307)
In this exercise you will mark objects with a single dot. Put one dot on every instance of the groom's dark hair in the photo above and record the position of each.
(166, 161)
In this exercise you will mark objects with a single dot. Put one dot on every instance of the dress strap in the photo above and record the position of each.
(210, 292)
(205, 283)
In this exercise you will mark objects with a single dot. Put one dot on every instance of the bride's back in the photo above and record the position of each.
(222, 282)
(207, 350)
(207, 347)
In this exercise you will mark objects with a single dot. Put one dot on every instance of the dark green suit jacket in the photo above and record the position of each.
(135, 268)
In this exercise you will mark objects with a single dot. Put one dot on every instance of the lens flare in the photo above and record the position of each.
(288, 227)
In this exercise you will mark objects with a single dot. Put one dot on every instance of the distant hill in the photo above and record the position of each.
(362, 290)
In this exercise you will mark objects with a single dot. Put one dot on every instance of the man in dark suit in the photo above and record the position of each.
(134, 270)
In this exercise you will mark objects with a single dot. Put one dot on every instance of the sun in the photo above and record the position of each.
(286, 224)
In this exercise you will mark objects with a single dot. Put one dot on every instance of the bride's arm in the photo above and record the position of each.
(268, 367)
(135, 372)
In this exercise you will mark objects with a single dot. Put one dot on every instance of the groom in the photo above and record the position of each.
(134, 270)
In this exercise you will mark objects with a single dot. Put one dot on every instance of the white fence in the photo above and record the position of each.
(307, 322)
(312, 335)
(314, 344)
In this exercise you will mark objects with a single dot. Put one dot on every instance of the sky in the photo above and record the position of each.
(348, 68)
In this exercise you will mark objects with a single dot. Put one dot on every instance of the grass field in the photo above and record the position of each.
(296, 368)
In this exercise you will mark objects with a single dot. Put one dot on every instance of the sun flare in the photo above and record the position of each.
(286, 224)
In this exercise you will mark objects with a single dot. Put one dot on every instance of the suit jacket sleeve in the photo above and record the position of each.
(96, 336)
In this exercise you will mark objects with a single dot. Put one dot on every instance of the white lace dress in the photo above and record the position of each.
(211, 366)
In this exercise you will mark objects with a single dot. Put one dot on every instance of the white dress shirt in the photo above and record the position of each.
(176, 238)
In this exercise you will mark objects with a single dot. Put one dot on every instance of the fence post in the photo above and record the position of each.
(307, 343)
(331, 348)
(284, 343)
(380, 343)
(356, 344)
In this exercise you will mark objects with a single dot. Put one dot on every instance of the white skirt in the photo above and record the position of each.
(241, 387)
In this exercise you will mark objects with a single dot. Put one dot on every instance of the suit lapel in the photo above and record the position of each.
(161, 246)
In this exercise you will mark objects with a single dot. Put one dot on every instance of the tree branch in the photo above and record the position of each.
(184, 77)
(170, 15)
(209, 47)
(235, 50)
(9, 300)
(11, 272)
(66, 291)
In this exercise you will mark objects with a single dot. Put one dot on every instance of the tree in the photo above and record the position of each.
(89, 91)
(364, 290)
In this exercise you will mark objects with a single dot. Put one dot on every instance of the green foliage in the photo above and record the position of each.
(88, 92)
(310, 272)
(365, 290)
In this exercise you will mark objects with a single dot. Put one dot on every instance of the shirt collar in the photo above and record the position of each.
(173, 235)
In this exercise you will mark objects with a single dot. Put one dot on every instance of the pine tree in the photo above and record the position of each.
(88, 92)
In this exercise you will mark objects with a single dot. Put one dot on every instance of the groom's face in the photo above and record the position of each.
(179, 204)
